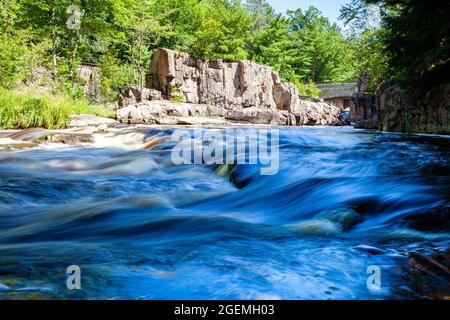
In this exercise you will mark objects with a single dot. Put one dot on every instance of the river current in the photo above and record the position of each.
(345, 202)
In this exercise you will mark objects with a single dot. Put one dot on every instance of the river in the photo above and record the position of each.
(343, 203)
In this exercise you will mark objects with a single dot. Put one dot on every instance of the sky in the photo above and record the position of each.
(329, 8)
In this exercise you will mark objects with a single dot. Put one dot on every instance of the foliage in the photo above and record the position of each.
(18, 57)
(114, 74)
(176, 95)
(23, 109)
(119, 37)
(412, 42)
(307, 89)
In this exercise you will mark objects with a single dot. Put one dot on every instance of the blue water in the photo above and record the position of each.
(140, 227)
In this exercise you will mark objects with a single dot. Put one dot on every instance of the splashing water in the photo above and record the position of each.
(141, 227)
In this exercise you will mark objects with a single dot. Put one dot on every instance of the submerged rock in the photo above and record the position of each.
(428, 273)
(70, 138)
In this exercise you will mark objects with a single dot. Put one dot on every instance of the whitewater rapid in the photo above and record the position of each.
(141, 227)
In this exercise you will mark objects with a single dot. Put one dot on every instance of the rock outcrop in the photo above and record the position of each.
(230, 85)
(237, 91)
(84, 120)
(410, 111)
(164, 112)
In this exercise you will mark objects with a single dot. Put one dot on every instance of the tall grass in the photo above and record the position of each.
(20, 109)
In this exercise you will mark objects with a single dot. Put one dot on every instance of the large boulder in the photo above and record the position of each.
(314, 113)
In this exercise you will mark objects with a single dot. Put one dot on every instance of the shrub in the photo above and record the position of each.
(176, 95)
(114, 75)
(307, 89)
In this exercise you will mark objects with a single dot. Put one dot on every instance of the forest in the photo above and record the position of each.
(386, 39)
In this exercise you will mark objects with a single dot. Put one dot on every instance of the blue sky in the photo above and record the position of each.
(329, 8)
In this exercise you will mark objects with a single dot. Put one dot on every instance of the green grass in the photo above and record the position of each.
(20, 109)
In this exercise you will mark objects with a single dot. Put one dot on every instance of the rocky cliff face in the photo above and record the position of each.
(236, 91)
(411, 111)
(231, 85)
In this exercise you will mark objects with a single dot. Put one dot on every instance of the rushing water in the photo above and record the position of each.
(140, 227)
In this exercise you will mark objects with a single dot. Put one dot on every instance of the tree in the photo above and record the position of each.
(414, 36)
(224, 28)
(330, 53)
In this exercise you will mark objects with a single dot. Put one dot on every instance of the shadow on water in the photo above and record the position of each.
(142, 228)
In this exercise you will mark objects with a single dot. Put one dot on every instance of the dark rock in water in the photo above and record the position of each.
(436, 220)
(428, 274)
(71, 138)
(369, 249)
(346, 218)
(436, 263)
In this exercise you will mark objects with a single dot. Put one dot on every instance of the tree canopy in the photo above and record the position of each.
(302, 45)
(413, 38)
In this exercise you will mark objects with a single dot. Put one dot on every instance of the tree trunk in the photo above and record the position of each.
(141, 71)
(133, 60)
(73, 57)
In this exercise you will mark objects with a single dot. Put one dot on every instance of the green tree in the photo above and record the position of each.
(224, 28)
(144, 30)
(331, 54)
(414, 36)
